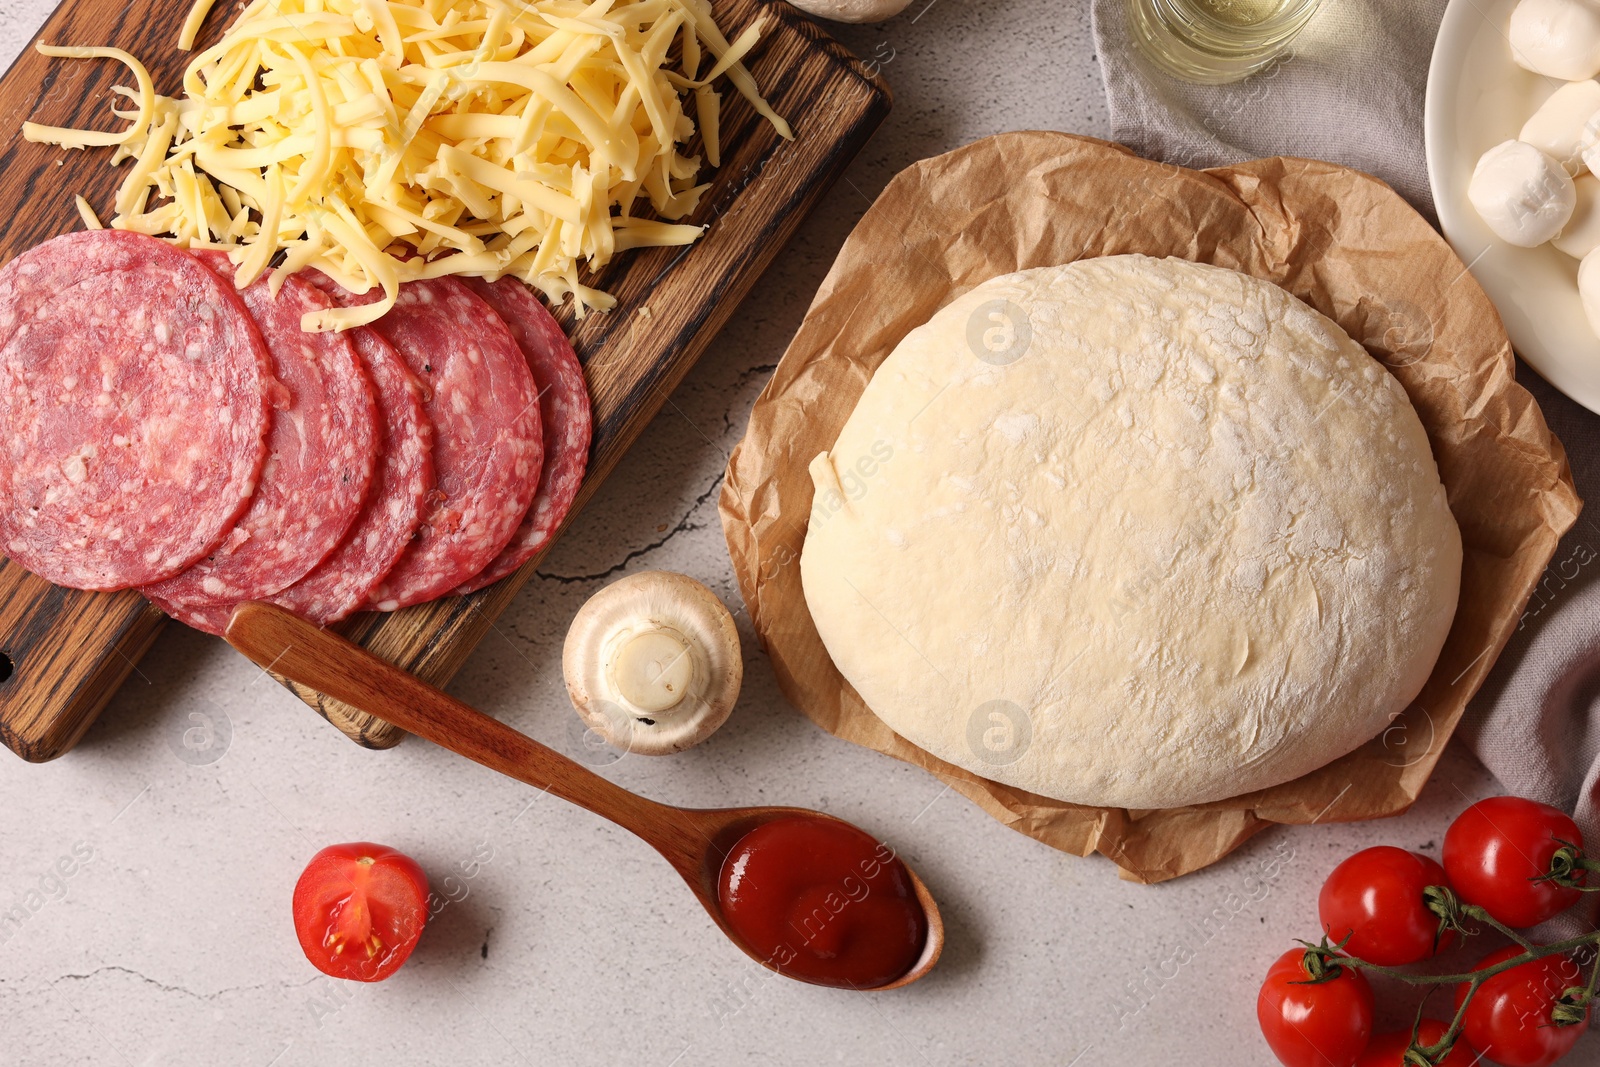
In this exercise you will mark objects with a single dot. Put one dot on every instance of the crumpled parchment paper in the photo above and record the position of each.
(1338, 239)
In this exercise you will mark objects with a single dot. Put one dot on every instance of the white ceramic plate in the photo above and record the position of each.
(1478, 97)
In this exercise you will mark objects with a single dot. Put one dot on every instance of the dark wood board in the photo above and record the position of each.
(65, 652)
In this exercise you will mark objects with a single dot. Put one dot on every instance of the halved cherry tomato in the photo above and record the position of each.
(1375, 899)
(1509, 1019)
(1497, 851)
(359, 909)
(1314, 1024)
(1388, 1050)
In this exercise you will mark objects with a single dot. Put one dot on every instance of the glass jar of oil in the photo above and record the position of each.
(1216, 41)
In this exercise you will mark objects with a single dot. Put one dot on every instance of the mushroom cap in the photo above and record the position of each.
(652, 663)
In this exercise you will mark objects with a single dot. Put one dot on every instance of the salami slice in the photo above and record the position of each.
(564, 413)
(487, 447)
(398, 500)
(131, 410)
(322, 450)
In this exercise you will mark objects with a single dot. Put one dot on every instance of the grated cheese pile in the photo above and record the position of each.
(388, 140)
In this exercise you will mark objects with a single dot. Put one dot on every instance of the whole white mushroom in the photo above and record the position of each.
(652, 663)
(1557, 38)
(1524, 195)
(852, 10)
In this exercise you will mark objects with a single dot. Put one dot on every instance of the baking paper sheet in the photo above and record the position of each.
(1338, 239)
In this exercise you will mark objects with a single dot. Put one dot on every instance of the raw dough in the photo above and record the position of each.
(1132, 532)
(852, 10)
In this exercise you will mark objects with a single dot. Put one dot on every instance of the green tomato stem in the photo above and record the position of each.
(1437, 1051)
(1327, 957)
(1324, 961)
(1566, 866)
(1475, 912)
(1528, 955)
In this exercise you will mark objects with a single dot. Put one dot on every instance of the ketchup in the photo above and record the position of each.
(823, 902)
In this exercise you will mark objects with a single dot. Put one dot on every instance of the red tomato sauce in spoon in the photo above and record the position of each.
(823, 902)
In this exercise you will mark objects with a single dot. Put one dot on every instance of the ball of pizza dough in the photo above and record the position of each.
(852, 10)
(1133, 533)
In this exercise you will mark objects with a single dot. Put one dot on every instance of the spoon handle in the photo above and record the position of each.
(285, 644)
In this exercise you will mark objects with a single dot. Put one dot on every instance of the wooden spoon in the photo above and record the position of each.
(693, 840)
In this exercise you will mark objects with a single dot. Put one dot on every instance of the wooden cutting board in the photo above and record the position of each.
(64, 652)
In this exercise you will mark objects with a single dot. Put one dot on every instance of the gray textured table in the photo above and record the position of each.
(566, 941)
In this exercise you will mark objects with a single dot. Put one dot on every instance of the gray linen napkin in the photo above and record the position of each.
(1536, 722)
(1353, 94)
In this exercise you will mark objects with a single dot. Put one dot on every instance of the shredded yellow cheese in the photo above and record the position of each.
(91, 221)
(388, 140)
(66, 138)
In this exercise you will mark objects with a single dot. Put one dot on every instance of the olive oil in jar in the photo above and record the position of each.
(1241, 12)
(1216, 41)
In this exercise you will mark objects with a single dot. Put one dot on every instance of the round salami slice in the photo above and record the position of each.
(399, 497)
(564, 412)
(487, 446)
(131, 410)
(322, 450)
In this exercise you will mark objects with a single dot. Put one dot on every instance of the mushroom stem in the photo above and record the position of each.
(653, 670)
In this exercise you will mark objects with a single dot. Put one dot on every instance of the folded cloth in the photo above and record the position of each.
(1536, 722)
(1353, 93)
(1350, 93)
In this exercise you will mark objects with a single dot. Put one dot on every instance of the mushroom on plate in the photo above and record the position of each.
(652, 663)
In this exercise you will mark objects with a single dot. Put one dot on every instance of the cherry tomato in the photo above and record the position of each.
(1496, 849)
(1375, 899)
(1509, 1018)
(1325, 1024)
(359, 909)
(1387, 1050)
